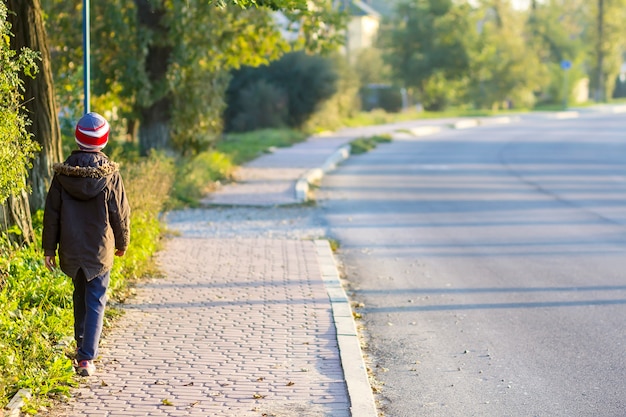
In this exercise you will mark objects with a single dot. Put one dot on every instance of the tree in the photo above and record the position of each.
(371, 67)
(16, 145)
(555, 34)
(165, 64)
(40, 104)
(427, 49)
(606, 35)
(505, 70)
(186, 97)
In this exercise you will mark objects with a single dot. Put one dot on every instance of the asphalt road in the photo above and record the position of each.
(491, 263)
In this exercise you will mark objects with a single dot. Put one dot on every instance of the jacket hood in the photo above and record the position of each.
(85, 174)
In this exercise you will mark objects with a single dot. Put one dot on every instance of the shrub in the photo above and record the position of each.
(195, 176)
(366, 144)
(262, 105)
(378, 96)
(17, 147)
(343, 104)
(307, 81)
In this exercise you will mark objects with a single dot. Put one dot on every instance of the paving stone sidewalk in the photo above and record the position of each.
(237, 327)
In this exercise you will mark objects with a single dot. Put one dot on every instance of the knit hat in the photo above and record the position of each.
(92, 132)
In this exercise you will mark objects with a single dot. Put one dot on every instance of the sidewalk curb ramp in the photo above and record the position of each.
(315, 175)
(355, 373)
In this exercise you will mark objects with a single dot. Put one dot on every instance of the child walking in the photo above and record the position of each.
(87, 217)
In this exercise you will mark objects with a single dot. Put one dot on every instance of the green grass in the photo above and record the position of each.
(35, 322)
(244, 147)
(366, 144)
(377, 117)
(197, 175)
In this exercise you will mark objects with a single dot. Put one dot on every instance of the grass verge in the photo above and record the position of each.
(378, 116)
(366, 144)
(199, 174)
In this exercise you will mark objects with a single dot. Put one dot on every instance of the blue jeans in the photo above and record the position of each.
(89, 303)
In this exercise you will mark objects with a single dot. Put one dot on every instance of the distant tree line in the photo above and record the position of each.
(487, 54)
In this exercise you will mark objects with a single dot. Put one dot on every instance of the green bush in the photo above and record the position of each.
(262, 106)
(196, 176)
(343, 104)
(35, 320)
(362, 145)
(386, 97)
(17, 147)
(244, 147)
(307, 80)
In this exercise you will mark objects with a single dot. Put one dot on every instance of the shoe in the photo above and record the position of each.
(86, 368)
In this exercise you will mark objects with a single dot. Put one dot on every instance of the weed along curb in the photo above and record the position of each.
(315, 175)
(359, 390)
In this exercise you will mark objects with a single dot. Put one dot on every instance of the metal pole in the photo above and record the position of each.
(86, 52)
(565, 90)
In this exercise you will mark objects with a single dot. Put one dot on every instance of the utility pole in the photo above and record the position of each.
(86, 52)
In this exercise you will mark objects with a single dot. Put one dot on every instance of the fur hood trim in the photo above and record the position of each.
(86, 172)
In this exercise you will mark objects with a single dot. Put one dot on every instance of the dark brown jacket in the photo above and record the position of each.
(87, 214)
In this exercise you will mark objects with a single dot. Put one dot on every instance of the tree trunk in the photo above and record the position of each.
(154, 127)
(16, 212)
(600, 94)
(40, 103)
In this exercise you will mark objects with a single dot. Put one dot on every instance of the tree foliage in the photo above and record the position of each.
(505, 69)
(17, 148)
(427, 49)
(163, 65)
(490, 54)
(606, 36)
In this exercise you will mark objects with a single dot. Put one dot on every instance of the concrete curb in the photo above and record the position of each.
(619, 109)
(425, 130)
(562, 115)
(14, 406)
(502, 120)
(466, 124)
(316, 174)
(355, 373)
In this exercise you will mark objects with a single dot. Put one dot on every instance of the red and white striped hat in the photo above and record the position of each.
(92, 132)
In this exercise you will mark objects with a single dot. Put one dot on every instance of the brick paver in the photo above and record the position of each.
(236, 327)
